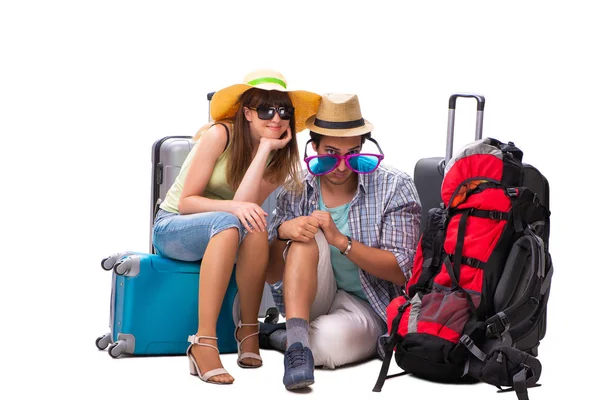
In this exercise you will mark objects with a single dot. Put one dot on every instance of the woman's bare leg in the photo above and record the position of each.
(251, 270)
(215, 273)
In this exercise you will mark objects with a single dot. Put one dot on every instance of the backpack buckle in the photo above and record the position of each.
(496, 215)
(512, 192)
(472, 347)
(466, 340)
(494, 329)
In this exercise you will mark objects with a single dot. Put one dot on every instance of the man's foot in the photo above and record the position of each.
(299, 367)
(208, 359)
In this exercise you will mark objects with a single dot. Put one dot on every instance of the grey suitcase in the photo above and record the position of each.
(428, 176)
(168, 155)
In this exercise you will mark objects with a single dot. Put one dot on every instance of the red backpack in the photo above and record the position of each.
(481, 278)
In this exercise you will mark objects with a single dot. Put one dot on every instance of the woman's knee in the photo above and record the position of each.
(257, 238)
(223, 221)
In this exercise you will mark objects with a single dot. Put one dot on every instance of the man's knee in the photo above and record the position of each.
(296, 248)
(313, 246)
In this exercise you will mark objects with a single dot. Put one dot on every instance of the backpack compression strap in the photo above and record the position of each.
(391, 343)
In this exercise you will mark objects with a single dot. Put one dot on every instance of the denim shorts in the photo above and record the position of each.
(185, 237)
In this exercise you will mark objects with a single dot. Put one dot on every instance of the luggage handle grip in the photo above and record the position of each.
(480, 100)
(451, 111)
(209, 97)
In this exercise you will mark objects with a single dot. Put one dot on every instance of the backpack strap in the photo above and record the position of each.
(460, 242)
(391, 343)
(431, 265)
(520, 382)
(493, 214)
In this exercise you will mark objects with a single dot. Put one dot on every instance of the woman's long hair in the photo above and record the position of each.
(284, 166)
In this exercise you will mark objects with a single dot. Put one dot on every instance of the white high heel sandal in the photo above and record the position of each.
(248, 354)
(195, 370)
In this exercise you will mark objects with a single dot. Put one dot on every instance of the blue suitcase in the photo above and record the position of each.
(154, 300)
(154, 306)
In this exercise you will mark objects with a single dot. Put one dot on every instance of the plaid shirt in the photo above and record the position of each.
(384, 214)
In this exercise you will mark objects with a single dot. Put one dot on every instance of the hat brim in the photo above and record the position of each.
(361, 130)
(225, 102)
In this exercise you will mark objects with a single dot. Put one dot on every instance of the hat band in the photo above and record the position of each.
(258, 81)
(339, 125)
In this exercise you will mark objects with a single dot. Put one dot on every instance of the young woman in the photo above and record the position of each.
(213, 210)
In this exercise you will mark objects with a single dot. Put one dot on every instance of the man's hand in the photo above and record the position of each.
(300, 229)
(332, 234)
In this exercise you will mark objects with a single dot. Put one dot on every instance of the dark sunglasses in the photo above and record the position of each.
(361, 163)
(268, 112)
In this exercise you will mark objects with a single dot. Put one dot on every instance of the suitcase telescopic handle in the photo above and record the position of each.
(451, 109)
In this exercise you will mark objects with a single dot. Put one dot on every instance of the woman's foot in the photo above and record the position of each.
(208, 359)
(248, 345)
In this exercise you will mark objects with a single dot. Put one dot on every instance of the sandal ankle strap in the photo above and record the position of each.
(195, 339)
(240, 324)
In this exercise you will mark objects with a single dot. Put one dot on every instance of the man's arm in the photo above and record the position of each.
(393, 260)
(400, 230)
(378, 262)
(286, 208)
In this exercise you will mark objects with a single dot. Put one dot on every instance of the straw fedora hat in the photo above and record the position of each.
(225, 102)
(339, 115)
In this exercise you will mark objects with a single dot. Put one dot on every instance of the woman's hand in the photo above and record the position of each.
(276, 144)
(251, 215)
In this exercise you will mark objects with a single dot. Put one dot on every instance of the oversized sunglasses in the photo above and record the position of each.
(361, 163)
(268, 112)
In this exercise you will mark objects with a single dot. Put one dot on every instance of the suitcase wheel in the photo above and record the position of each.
(117, 348)
(103, 341)
(123, 266)
(111, 261)
(272, 316)
(108, 263)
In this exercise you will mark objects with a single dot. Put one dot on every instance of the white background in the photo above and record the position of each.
(87, 87)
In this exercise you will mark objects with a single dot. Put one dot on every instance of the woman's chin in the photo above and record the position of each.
(271, 134)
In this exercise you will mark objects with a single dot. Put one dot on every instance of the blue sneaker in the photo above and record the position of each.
(299, 367)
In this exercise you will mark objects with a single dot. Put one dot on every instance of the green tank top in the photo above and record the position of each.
(217, 187)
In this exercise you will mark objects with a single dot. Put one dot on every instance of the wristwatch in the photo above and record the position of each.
(345, 252)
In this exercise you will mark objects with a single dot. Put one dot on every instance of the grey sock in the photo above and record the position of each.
(297, 331)
(278, 339)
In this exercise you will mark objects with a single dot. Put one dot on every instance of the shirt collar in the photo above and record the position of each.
(363, 181)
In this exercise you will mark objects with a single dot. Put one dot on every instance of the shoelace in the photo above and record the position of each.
(297, 357)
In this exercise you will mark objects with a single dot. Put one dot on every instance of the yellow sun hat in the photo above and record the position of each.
(225, 102)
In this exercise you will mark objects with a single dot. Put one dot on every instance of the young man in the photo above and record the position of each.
(341, 248)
